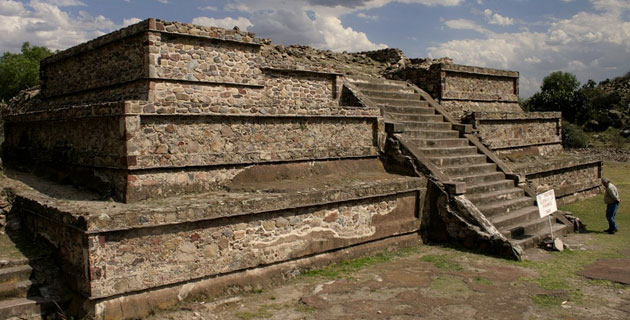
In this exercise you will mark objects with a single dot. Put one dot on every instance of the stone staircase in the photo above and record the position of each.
(29, 279)
(431, 133)
(16, 301)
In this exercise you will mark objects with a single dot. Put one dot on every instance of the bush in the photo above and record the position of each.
(573, 136)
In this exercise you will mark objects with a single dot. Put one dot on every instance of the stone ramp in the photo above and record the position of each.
(459, 159)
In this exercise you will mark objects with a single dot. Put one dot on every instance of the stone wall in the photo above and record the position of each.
(110, 248)
(571, 178)
(175, 57)
(460, 109)
(464, 89)
(134, 260)
(187, 96)
(112, 64)
(97, 141)
(504, 132)
(207, 141)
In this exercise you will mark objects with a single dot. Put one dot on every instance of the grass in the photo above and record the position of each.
(264, 311)
(341, 269)
(442, 262)
(559, 272)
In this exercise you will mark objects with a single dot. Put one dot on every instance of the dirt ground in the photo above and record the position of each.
(428, 282)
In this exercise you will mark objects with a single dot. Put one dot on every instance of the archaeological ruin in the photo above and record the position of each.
(167, 160)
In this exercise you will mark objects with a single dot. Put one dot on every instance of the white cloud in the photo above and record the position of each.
(130, 21)
(226, 23)
(365, 16)
(45, 24)
(335, 35)
(593, 45)
(162, 1)
(495, 18)
(209, 8)
(66, 3)
(465, 24)
(10, 8)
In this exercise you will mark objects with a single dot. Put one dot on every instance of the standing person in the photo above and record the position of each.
(611, 199)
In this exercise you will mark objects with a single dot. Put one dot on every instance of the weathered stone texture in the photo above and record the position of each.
(93, 141)
(145, 185)
(69, 242)
(459, 108)
(135, 90)
(112, 64)
(299, 89)
(463, 89)
(567, 177)
(169, 97)
(129, 261)
(203, 31)
(287, 92)
(176, 142)
(466, 86)
(199, 59)
(504, 130)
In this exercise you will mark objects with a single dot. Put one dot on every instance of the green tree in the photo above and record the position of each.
(19, 71)
(559, 92)
(560, 82)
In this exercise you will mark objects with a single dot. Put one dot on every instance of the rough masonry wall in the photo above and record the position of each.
(112, 64)
(136, 259)
(463, 89)
(135, 90)
(502, 131)
(69, 242)
(202, 59)
(571, 178)
(471, 86)
(468, 89)
(284, 93)
(461, 108)
(207, 141)
(150, 184)
(97, 141)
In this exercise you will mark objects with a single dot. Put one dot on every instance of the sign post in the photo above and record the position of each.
(546, 206)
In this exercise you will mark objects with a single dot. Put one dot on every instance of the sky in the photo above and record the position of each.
(589, 38)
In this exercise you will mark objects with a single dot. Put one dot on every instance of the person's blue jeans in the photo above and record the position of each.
(611, 212)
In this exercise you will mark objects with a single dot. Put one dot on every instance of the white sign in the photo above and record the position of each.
(546, 203)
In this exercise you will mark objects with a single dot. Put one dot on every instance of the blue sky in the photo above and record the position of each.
(590, 38)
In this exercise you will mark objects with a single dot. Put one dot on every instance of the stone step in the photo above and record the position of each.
(396, 102)
(392, 95)
(515, 217)
(17, 289)
(496, 195)
(377, 86)
(483, 177)
(26, 308)
(526, 228)
(426, 125)
(431, 134)
(440, 143)
(459, 160)
(470, 169)
(530, 240)
(415, 117)
(481, 187)
(505, 206)
(448, 152)
(421, 108)
(15, 273)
